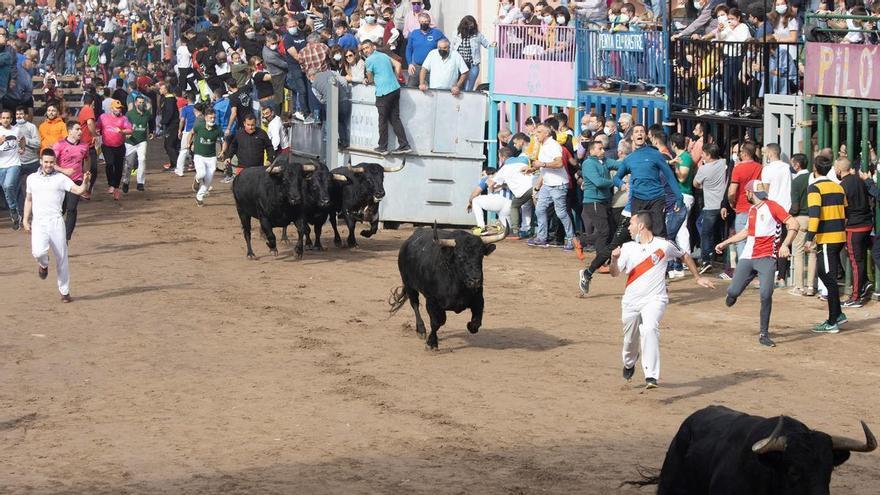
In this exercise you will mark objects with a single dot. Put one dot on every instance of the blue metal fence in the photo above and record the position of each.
(615, 59)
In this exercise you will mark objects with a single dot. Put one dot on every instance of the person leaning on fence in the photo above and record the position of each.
(443, 69)
(419, 45)
(321, 83)
(468, 43)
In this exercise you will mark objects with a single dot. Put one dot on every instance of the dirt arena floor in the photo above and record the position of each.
(183, 368)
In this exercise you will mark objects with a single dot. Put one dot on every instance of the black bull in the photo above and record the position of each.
(278, 196)
(447, 268)
(719, 451)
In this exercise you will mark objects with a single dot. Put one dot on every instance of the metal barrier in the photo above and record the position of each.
(781, 116)
(730, 78)
(541, 42)
(833, 27)
(636, 58)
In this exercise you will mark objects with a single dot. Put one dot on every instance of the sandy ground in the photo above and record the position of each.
(182, 367)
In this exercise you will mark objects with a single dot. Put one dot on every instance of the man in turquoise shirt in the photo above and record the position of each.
(598, 188)
(382, 71)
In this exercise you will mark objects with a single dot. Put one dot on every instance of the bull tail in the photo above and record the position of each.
(649, 477)
(397, 299)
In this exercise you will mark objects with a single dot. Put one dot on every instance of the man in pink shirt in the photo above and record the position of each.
(70, 153)
(114, 127)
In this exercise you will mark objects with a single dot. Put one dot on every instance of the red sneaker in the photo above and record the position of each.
(117, 194)
(578, 248)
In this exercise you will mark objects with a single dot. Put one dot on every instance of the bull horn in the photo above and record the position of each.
(357, 170)
(843, 443)
(274, 169)
(308, 167)
(491, 239)
(391, 170)
(340, 177)
(774, 443)
(442, 242)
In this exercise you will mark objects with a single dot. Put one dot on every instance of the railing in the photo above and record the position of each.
(542, 42)
(837, 28)
(625, 60)
(730, 78)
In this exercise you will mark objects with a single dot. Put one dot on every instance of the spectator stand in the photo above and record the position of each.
(842, 95)
(532, 71)
(71, 91)
(623, 71)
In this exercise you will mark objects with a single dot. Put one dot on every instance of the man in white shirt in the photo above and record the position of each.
(552, 188)
(275, 129)
(644, 261)
(11, 148)
(45, 194)
(519, 183)
(186, 76)
(776, 177)
(496, 199)
(443, 69)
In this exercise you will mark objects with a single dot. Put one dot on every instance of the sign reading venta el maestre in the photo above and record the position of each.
(621, 42)
(846, 71)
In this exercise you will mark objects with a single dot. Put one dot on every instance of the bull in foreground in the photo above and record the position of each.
(356, 194)
(274, 196)
(447, 268)
(719, 451)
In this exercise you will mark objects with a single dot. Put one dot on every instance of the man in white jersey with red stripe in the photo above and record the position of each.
(644, 261)
(759, 255)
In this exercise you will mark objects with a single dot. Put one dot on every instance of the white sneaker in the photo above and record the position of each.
(299, 116)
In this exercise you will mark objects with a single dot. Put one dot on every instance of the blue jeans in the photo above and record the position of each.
(69, 61)
(742, 219)
(555, 195)
(473, 74)
(674, 221)
(27, 169)
(707, 234)
(9, 181)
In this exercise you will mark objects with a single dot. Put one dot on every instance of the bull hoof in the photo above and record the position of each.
(337, 243)
(285, 241)
(251, 256)
(318, 247)
(308, 244)
(431, 349)
(351, 245)
(298, 254)
(366, 233)
(420, 331)
(274, 252)
(473, 327)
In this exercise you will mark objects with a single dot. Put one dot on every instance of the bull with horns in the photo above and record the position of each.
(447, 268)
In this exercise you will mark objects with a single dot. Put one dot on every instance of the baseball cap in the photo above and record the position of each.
(756, 187)
(116, 104)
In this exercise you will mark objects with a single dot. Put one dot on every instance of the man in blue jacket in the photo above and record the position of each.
(598, 188)
(647, 165)
(418, 45)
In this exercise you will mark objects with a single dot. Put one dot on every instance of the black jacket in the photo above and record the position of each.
(249, 148)
(858, 208)
(168, 113)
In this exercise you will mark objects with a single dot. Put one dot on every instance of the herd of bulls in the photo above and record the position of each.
(717, 451)
(297, 191)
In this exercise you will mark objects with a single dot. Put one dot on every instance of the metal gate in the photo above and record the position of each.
(781, 116)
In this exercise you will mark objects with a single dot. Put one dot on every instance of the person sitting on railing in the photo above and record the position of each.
(593, 12)
(508, 12)
(854, 36)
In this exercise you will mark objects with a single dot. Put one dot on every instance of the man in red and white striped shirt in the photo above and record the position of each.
(761, 234)
(644, 260)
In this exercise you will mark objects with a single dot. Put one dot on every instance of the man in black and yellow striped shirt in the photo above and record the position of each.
(826, 231)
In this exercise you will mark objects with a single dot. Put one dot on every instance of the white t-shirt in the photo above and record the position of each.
(511, 174)
(275, 130)
(443, 74)
(645, 267)
(778, 175)
(551, 150)
(184, 58)
(9, 156)
(47, 194)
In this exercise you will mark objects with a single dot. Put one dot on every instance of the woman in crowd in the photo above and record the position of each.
(468, 41)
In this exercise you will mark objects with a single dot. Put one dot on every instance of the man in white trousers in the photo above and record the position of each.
(644, 261)
(45, 194)
(495, 199)
(206, 134)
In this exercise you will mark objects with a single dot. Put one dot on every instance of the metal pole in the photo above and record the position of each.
(835, 131)
(492, 159)
(252, 12)
(331, 120)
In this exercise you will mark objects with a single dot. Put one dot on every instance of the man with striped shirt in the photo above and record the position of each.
(826, 232)
(759, 253)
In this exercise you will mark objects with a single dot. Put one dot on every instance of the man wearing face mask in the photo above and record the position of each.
(294, 40)
(406, 17)
(443, 70)
(276, 66)
(29, 161)
(344, 38)
(418, 46)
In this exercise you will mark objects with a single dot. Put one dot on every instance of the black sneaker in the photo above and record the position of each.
(16, 219)
(852, 303)
(766, 341)
(866, 290)
(195, 186)
(584, 285)
(650, 383)
(125, 188)
(628, 373)
(730, 301)
(43, 272)
(705, 268)
(140, 187)
(402, 150)
(382, 151)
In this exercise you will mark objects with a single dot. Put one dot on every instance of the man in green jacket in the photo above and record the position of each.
(142, 123)
(598, 189)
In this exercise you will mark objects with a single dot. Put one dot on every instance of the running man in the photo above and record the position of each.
(114, 127)
(46, 191)
(765, 218)
(644, 261)
(11, 148)
(206, 134)
(70, 154)
(142, 123)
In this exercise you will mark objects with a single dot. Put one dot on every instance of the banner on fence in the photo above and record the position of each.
(847, 71)
(622, 42)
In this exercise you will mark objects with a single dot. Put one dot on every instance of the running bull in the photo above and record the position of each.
(274, 195)
(356, 194)
(447, 268)
(719, 451)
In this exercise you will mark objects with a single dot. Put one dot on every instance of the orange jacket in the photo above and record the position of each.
(52, 131)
